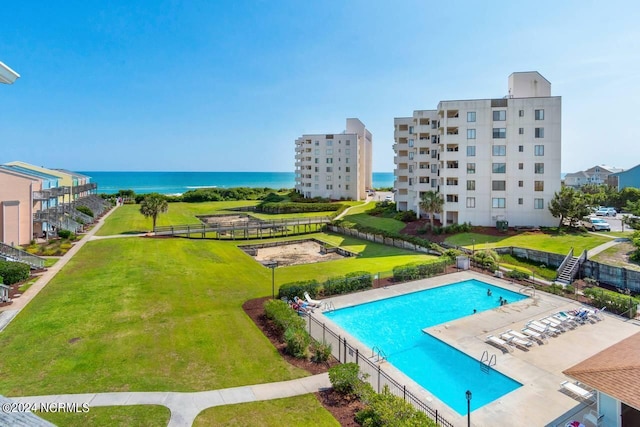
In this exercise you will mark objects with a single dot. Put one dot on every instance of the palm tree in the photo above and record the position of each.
(153, 205)
(431, 202)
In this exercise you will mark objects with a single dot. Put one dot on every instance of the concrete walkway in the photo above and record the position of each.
(185, 407)
(595, 251)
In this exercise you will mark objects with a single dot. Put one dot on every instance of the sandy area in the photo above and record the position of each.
(295, 253)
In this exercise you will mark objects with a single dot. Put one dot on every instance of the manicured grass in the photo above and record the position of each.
(139, 314)
(293, 411)
(362, 208)
(625, 234)
(385, 224)
(50, 262)
(549, 242)
(138, 415)
(269, 217)
(546, 273)
(128, 219)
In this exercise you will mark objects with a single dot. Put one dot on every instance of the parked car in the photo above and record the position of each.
(596, 224)
(606, 212)
(388, 198)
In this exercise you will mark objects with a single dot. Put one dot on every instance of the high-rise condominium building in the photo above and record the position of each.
(335, 166)
(490, 159)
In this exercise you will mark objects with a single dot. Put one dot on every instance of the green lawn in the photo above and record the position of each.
(386, 224)
(137, 314)
(293, 411)
(127, 219)
(549, 242)
(510, 262)
(138, 415)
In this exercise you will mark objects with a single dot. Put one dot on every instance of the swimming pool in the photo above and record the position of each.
(443, 370)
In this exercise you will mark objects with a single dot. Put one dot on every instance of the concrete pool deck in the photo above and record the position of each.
(539, 401)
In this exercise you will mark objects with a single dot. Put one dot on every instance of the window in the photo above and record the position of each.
(499, 115)
(539, 132)
(520, 166)
(520, 131)
(499, 132)
(471, 185)
(348, 142)
(539, 114)
(347, 169)
(538, 203)
(538, 150)
(411, 143)
(471, 202)
(329, 186)
(317, 152)
(410, 129)
(452, 181)
(538, 185)
(329, 151)
(471, 168)
(328, 177)
(452, 198)
(329, 169)
(499, 150)
(346, 187)
(347, 178)
(346, 160)
(471, 116)
(521, 148)
(520, 201)
(498, 185)
(498, 202)
(411, 155)
(539, 168)
(316, 186)
(434, 154)
(317, 178)
(520, 184)
(499, 168)
(471, 150)
(347, 151)
(521, 113)
(330, 160)
(329, 143)
(471, 134)
(317, 169)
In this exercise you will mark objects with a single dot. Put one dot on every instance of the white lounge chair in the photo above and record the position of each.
(576, 390)
(595, 313)
(519, 335)
(555, 323)
(541, 327)
(567, 317)
(513, 340)
(499, 343)
(539, 337)
(311, 301)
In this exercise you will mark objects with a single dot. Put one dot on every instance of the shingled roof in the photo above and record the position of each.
(614, 371)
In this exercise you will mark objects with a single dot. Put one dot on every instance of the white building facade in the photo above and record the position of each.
(490, 159)
(335, 166)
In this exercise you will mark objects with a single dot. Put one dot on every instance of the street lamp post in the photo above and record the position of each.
(473, 251)
(272, 265)
(468, 395)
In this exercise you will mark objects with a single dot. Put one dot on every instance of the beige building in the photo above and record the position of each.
(490, 159)
(335, 166)
(597, 175)
(17, 207)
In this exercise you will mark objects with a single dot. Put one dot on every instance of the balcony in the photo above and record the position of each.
(452, 164)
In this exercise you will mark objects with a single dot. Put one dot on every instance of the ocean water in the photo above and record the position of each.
(180, 182)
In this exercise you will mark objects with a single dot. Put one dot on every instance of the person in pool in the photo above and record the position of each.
(489, 292)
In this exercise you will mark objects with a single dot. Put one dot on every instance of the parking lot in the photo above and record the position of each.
(614, 222)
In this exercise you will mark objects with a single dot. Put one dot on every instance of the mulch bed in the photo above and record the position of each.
(343, 409)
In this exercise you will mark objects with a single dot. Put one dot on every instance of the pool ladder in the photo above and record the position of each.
(377, 352)
(528, 288)
(328, 306)
(487, 362)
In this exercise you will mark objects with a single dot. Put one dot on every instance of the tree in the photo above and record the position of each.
(431, 202)
(153, 205)
(568, 204)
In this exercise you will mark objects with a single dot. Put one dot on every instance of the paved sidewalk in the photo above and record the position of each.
(185, 407)
(593, 252)
(9, 312)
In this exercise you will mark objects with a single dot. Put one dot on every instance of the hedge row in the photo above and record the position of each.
(615, 302)
(351, 282)
(292, 327)
(387, 234)
(294, 207)
(13, 272)
(415, 271)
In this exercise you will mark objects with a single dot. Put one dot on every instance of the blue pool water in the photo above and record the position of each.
(395, 326)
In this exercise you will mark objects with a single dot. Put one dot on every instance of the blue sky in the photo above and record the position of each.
(229, 85)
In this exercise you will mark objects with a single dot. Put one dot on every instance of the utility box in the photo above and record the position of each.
(462, 262)
(502, 225)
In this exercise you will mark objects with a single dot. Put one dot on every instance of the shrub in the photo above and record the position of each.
(569, 289)
(614, 301)
(282, 315)
(344, 378)
(290, 290)
(405, 216)
(486, 259)
(415, 271)
(14, 272)
(321, 352)
(517, 275)
(297, 341)
(386, 409)
(85, 210)
(64, 234)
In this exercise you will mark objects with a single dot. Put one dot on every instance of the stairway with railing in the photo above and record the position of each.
(570, 267)
(14, 254)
